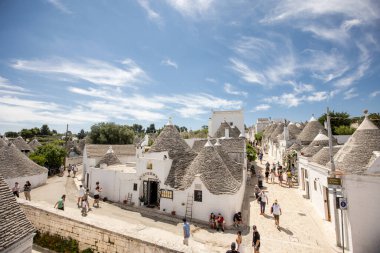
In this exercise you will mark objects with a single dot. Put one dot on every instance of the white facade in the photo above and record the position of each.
(261, 124)
(35, 181)
(234, 118)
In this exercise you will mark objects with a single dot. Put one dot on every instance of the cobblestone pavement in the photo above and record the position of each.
(301, 228)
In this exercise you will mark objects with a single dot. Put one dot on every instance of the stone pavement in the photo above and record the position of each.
(301, 228)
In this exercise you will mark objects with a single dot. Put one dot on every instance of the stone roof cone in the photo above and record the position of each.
(212, 171)
(21, 144)
(317, 144)
(310, 131)
(13, 163)
(322, 157)
(234, 132)
(109, 158)
(277, 131)
(34, 144)
(355, 154)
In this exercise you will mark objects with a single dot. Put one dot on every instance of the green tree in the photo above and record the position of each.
(82, 134)
(11, 134)
(183, 129)
(138, 128)
(344, 130)
(52, 154)
(251, 153)
(259, 136)
(151, 129)
(26, 133)
(37, 158)
(111, 133)
(45, 130)
(336, 119)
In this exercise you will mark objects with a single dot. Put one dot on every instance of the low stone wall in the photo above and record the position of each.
(88, 235)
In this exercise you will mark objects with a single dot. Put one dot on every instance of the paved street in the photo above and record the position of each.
(301, 229)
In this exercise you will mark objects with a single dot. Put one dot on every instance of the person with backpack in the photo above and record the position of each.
(256, 240)
(276, 211)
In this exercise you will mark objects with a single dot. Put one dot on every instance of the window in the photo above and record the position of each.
(149, 166)
(305, 173)
(135, 187)
(315, 185)
(198, 196)
(166, 194)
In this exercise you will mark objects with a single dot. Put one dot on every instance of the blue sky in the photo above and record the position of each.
(143, 61)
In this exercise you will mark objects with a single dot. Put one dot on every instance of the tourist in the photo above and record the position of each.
(280, 178)
(61, 203)
(233, 249)
(212, 221)
(186, 232)
(263, 201)
(261, 157)
(266, 175)
(272, 175)
(84, 204)
(69, 170)
(237, 219)
(256, 240)
(85, 199)
(289, 178)
(97, 195)
(75, 170)
(16, 190)
(220, 222)
(276, 211)
(81, 193)
(257, 192)
(27, 190)
(293, 169)
(239, 240)
(267, 166)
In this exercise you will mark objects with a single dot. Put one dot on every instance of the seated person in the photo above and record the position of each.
(220, 222)
(237, 219)
(212, 221)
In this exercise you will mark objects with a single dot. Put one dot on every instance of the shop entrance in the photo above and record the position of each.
(150, 189)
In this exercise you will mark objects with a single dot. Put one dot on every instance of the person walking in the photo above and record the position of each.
(263, 201)
(61, 203)
(69, 170)
(261, 157)
(84, 205)
(266, 175)
(272, 175)
(98, 189)
(276, 211)
(256, 240)
(186, 232)
(289, 178)
(239, 241)
(81, 193)
(257, 192)
(16, 190)
(75, 170)
(27, 190)
(233, 249)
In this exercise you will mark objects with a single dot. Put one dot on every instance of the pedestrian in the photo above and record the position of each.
(61, 203)
(98, 189)
(267, 166)
(276, 211)
(16, 190)
(289, 178)
(239, 240)
(256, 240)
(186, 232)
(263, 201)
(220, 222)
(266, 175)
(257, 192)
(272, 175)
(261, 157)
(69, 170)
(27, 190)
(84, 204)
(280, 178)
(233, 249)
(81, 193)
(75, 170)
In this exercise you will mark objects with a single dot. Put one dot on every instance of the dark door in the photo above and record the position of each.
(145, 192)
(152, 193)
(88, 178)
(307, 190)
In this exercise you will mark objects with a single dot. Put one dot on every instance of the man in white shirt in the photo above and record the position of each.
(81, 193)
(276, 211)
(263, 201)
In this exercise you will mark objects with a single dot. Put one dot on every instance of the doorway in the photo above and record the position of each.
(150, 190)
(307, 190)
(326, 203)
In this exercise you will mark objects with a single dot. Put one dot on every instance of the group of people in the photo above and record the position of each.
(262, 199)
(278, 171)
(27, 190)
(217, 222)
(73, 168)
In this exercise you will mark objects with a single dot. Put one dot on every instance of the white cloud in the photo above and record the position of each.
(170, 63)
(249, 75)
(351, 93)
(90, 70)
(211, 80)
(374, 94)
(60, 6)
(152, 15)
(286, 99)
(191, 8)
(301, 87)
(230, 89)
(261, 107)
(317, 96)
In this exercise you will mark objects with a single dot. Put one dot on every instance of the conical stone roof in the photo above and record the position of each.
(21, 144)
(317, 144)
(310, 131)
(170, 140)
(277, 131)
(109, 158)
(355, 154)
(322, 157)
(295, 146)
(213, 173)
(270, 130)
(34, 144)
(15, 164)
(234, 132)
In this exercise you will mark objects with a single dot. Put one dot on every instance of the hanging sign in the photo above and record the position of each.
(334, 182)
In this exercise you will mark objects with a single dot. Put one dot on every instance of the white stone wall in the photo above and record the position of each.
(363, 215)
(35, 181)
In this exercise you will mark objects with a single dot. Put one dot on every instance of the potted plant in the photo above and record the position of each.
(142, 200)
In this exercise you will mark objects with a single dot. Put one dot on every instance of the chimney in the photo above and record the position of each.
(227, 133)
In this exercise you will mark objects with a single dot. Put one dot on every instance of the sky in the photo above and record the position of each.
(143, 61)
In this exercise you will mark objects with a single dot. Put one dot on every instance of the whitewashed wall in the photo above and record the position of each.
(237, 117)
(362, 194)
(35, 181)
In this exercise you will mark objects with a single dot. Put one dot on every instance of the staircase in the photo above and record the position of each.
(189, 207)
